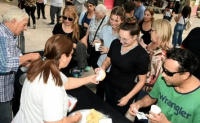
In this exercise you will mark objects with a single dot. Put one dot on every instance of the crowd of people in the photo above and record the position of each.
(143, 65)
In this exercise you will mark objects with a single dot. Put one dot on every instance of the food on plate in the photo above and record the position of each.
(101, 75)
(94, 116)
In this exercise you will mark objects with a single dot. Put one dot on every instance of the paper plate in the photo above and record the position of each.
(84, 113)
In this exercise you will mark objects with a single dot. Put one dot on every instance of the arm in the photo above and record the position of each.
(144, 102)
(142, 79)
(28, 57)
(71, 119)
(84, 39)
(164, 11)
(177, 18)
(106, 63)
(81, 18)
(77, 82)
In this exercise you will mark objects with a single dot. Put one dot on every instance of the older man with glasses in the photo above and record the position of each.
(176, 91)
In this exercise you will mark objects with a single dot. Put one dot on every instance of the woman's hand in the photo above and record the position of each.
(92, 79)
(123, 101)
(103, 49)
(74, 45)
(73, 119)
(96, 41)
(158, 118)
(141, 42)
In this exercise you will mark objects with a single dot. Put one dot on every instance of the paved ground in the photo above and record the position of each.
(35, 38)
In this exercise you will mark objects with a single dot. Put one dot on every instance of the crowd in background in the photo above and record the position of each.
(133, 51)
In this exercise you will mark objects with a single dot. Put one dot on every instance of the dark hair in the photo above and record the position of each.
(55, 47)
(138, 1)
(119, 11)
(186, 59)
(93, 2)
(130, 26)
(186, 11)
(129, 6)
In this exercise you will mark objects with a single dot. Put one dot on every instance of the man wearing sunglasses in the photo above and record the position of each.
(176, 91)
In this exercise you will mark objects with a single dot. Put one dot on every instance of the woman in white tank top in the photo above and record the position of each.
(181, 20)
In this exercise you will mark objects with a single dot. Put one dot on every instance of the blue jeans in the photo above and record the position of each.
(177, 36)
(6, 113)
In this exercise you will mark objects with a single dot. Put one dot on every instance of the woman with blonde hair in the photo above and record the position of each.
(43, 97)
(161, 32)
(72, 29)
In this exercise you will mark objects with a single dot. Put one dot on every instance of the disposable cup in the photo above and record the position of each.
(155, 109)
(97, 45)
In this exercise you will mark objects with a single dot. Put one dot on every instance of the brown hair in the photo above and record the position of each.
(151, 12)
(55, 47)
(73, 12)
(118, 11)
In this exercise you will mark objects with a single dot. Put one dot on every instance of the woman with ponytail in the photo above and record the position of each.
(43, 97)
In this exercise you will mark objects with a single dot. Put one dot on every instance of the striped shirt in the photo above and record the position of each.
(9, 62)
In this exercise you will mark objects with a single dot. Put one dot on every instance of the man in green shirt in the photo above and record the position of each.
(176, 91)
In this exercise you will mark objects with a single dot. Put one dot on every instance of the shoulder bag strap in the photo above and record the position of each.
(98, 27)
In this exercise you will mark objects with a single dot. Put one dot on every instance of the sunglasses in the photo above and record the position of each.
(67, 18)
(168, 73)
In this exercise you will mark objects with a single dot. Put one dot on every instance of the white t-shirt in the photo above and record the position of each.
(57, 3)
(42, 102)
(181, 21)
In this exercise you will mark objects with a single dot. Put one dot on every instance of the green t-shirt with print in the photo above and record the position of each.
(178, 107)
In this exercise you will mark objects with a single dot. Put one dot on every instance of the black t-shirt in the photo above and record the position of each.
(126, 67)
(59, 30)
(192, 43)
(146, 34)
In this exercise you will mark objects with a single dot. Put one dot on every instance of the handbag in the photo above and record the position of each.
(188, 24)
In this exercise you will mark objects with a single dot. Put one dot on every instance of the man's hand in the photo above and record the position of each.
(35, 56)
(134, 109)
(157, 118)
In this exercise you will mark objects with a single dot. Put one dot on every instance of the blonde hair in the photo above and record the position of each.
(14, 13)
(72, 11)
(164, 31)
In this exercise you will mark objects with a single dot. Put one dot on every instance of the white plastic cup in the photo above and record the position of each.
(97, 45)
(155, 109)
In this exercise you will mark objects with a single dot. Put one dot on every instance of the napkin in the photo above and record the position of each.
(105, 120)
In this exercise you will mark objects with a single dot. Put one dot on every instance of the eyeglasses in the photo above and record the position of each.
(152, 30)
(168, 73)
(124, 40)
(67, 18)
